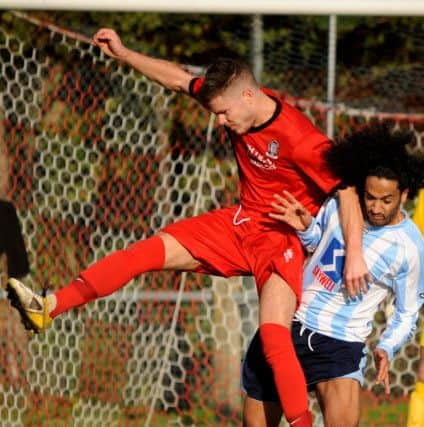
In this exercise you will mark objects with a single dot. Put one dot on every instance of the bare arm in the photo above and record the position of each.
(168, 74)
(356, 275)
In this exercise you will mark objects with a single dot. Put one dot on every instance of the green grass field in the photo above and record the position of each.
(58, 413)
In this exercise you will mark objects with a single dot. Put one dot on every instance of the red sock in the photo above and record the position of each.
(288, 375)
(75, 294)
(111, 273)
(305, 420)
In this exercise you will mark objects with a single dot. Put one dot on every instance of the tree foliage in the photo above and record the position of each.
(376, 56)
(195, 38)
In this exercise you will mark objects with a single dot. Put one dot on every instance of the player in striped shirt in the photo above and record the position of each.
(330, 328)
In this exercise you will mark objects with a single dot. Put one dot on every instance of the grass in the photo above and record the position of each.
(383, 413)
(376, 412)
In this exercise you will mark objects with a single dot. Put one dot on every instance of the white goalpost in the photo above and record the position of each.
(281, 7)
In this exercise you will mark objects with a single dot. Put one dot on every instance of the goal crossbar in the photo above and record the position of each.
(282, 7)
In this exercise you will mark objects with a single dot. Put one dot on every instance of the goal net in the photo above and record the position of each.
(97, 157)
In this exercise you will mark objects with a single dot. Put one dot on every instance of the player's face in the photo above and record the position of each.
(383, 200)
(234, 110)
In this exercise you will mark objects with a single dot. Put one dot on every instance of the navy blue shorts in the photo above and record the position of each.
(322, 358)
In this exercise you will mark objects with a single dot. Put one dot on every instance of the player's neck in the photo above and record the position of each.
(399, 217)
(266, 109)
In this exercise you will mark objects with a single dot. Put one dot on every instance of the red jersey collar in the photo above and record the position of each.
(277, 111)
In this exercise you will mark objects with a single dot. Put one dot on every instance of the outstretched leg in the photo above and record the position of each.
(101, 279)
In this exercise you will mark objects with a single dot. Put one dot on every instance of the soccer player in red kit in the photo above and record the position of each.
(277, 148)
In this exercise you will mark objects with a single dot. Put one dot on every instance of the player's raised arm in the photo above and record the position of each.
(166, 73)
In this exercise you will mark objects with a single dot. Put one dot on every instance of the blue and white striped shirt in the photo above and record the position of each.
(395, 258)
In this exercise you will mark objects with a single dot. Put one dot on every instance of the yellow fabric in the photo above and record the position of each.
(419, 388)
(416, 402)
(416, 410)
(40, 321)
(418, 216)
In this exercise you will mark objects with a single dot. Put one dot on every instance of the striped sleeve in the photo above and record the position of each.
(311, 237)
(408, 300)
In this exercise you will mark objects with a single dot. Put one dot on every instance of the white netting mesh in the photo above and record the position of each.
(100, 157)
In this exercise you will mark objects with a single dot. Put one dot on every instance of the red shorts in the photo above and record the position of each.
(229, 242)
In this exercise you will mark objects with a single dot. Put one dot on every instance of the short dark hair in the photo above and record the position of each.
(219, 75)
(378, 150)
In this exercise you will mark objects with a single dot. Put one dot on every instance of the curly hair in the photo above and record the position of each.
(377, 150)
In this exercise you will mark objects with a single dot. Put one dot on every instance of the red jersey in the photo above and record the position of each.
(284, 153)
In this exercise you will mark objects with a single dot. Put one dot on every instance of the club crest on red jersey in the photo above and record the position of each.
(273, 149)
(258, 159)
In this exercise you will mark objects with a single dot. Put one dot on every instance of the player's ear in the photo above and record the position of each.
(248, 94)
(404, 196)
